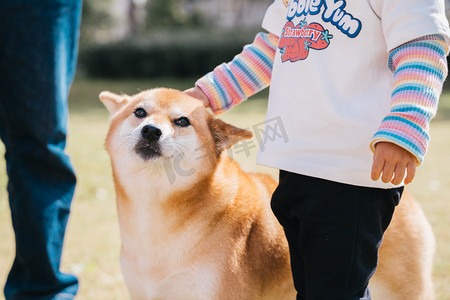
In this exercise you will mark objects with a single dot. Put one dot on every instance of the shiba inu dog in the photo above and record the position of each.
(195, 226)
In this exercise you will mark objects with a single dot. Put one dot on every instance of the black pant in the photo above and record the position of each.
(334, 231)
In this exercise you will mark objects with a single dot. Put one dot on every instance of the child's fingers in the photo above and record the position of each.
(392, 163)
(399, 174)
(388, 172)
(377, 167)
(198, 94)
(411, 168)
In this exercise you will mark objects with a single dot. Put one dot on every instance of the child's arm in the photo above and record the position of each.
(420, 68)
(231, 83)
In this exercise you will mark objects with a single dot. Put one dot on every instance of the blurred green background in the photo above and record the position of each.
(126, 46)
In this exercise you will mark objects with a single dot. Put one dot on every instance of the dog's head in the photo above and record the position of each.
(166, 125)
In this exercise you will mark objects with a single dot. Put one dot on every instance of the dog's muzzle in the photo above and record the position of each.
(148, 146)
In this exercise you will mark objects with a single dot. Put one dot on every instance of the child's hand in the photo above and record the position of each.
(393, 161)
(198, 94)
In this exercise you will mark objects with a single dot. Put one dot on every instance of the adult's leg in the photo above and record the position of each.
(37, 63)
(334, 231)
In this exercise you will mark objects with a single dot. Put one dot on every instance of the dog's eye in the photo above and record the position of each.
(182, 122)
(140, 113)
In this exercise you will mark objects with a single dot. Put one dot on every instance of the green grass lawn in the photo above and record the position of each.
(93, 244)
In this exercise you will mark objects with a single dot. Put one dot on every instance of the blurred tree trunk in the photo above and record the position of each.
(132, 20)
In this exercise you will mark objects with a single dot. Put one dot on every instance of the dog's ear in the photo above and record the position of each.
(113, 102)
(226, 135)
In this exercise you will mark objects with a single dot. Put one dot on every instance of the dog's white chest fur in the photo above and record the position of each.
(154, 260)
(184, 283)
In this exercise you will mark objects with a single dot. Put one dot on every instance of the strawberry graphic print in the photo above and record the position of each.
(296, 41)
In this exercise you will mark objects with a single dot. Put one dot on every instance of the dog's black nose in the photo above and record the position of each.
(151, 133)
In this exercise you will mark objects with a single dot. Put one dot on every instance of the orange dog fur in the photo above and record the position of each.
(195, 226)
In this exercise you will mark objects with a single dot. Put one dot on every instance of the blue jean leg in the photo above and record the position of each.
(37, 63)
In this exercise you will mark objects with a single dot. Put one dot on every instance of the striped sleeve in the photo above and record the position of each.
(248, 73)
(420, 68)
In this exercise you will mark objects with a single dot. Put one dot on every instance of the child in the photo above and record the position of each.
(346, 77)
